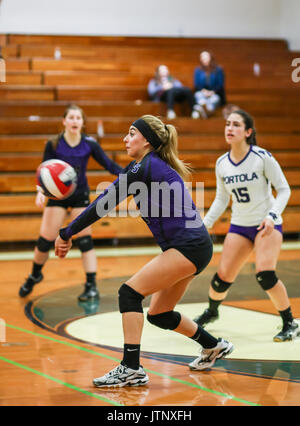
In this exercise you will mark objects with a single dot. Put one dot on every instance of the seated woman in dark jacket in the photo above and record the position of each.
(209, 85)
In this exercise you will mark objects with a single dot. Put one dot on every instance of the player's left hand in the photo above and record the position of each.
(62, 247)
(266, 226)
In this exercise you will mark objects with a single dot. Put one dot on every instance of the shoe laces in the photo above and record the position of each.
(120, 369)
(206, 354)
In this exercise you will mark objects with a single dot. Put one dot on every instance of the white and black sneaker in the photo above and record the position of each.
(208, 357)
(289, 331)
(122, 376)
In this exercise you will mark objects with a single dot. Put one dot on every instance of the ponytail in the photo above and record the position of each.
(168, 150)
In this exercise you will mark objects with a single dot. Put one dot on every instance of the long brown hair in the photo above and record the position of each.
(168, 151)
(70, 107)
(212, 64)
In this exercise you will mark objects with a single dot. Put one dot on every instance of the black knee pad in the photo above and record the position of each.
(266, 279)
(43, 244)
(167, 320)
(219, 285)
(85, 243)
(130, 300)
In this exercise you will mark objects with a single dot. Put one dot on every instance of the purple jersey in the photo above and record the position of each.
(164, 202)
(78, 157)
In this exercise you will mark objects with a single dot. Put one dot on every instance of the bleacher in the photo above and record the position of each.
(107, 77)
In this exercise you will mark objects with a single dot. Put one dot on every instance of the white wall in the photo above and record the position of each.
(187, 18)
(203, 18)
(290, 23)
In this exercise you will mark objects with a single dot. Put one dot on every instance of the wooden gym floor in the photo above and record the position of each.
(52, 346)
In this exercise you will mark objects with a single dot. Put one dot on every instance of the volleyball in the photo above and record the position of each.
(56, 179)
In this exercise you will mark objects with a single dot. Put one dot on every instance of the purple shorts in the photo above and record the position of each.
(249, 232)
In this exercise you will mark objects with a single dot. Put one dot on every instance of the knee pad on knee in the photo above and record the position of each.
(43, 244)
(266, 279)
(130, 300)
(219, 285)
(167, 320)
(85, 243)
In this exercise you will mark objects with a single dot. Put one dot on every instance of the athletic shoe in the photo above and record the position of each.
(171, 114)
(289, 332)
(195, 114)
(208, 357)
(122, 376)
(207, 317)
(28, 285)
(200, 109)
(90, 293)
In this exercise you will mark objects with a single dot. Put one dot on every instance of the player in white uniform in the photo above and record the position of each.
(245, 174)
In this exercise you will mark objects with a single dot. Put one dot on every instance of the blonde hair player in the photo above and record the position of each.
(186, 250)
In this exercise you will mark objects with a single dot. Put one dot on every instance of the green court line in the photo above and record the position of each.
(174, 379)
(61, 382)
(72, 345)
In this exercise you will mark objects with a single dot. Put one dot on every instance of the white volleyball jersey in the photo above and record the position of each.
(249, 185)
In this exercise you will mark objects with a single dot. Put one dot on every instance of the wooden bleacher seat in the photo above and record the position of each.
(120, 125)
(17, 64)
(27, 92)
(14, 109)
(107, 77)
(260, 104)
(24, 78)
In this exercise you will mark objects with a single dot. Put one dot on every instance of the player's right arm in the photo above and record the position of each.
(219, 204)
(106, 202)
(49, 152)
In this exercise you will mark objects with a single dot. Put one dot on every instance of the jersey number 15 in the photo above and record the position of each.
(241, 194)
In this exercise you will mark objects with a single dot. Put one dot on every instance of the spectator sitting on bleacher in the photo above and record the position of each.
(164, 88)
(208, 85)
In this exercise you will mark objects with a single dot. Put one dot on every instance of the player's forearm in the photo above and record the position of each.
(85, 219)
(281, 200)
(215, 211)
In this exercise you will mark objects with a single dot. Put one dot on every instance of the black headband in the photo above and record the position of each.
(147, 132)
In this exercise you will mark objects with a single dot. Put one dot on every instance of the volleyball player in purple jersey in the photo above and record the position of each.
(245, 174)
(185, 243)
(74, 147)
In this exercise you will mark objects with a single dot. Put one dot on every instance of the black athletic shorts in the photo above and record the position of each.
(199, 253)
(78, 199)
